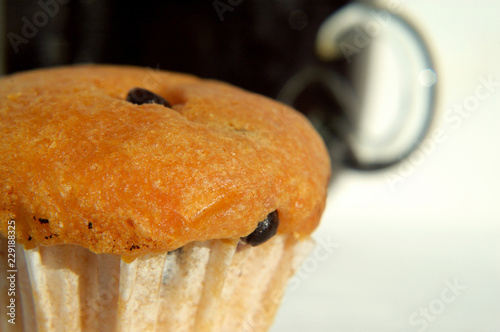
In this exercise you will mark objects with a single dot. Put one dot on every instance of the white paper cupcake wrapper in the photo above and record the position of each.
(203, 286)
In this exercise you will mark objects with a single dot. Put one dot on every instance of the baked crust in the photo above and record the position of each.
(81, 165)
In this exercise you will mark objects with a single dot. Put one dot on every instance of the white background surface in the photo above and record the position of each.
(394, 250)
(398, 248)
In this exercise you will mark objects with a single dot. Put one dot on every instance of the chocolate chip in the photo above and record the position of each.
(90, 225)
(141, 96)
(43, 221)
(29, 239)
(265, 230)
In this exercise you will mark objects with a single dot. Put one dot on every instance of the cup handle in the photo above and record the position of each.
(350, 32)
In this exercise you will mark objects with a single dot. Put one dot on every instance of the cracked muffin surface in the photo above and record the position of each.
(81, 164)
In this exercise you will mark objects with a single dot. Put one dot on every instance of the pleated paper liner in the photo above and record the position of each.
(216, 285)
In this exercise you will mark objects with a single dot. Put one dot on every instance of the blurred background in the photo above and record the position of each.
(406, 96)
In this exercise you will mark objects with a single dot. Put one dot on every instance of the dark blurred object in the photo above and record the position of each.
(257, 45)
(254, 44)
(268, 47)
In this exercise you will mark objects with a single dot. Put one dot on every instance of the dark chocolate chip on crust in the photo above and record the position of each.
(141, 96)
(265, 230)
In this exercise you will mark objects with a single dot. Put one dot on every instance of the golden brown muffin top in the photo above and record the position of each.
(80, 164)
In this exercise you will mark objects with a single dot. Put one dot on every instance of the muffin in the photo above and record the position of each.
(146, 200)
